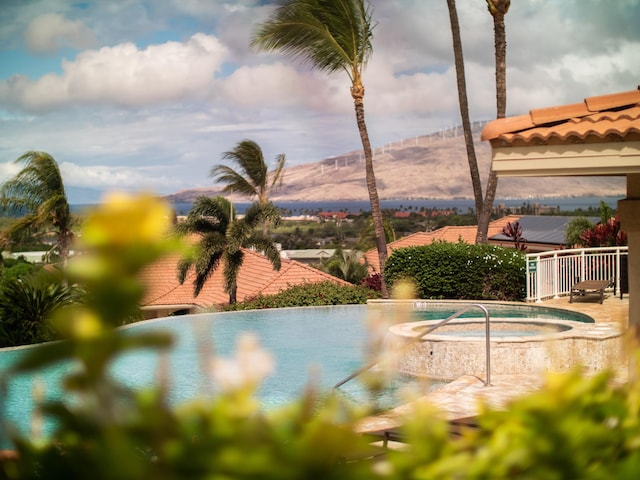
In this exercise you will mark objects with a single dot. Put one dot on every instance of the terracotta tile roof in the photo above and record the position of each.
(256, 276)
(604, 118)
(452, 234)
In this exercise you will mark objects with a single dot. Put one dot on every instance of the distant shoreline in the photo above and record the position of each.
(565, 204)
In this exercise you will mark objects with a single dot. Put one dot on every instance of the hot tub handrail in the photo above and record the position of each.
(428, 331)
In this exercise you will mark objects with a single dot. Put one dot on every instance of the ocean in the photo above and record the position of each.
(568, 204)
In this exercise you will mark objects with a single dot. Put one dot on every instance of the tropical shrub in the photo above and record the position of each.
(27, 302)
(373, 281)
(310, 295)
(16, 268)
(460, 271)
(604, 234)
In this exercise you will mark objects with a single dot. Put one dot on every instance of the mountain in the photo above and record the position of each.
(428, 167)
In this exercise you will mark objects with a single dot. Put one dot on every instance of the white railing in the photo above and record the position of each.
(551, 274)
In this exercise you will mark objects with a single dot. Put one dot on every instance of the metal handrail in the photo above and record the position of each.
(428, 331)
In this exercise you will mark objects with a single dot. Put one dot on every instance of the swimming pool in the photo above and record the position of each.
(330, 340)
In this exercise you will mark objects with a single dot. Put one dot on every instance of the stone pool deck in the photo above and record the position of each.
(460, 398)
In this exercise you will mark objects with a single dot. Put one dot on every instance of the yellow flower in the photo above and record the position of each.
(127, 220)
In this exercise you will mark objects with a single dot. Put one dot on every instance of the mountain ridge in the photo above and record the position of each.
(427, 167)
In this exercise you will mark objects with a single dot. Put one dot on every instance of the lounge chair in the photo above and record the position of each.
(590, 287)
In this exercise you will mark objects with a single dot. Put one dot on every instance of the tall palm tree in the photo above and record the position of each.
(36, 196)
(464, 107)
(331, 36)
(498, 10)
(221, 239)
(253, 178)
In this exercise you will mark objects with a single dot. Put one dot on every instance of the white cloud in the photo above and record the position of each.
(123, 75)
(49, 32)
(283, 86)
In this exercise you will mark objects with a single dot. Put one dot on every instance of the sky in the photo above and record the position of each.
(147, 95)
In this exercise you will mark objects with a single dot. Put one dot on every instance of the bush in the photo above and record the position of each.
(26, 305)
(460, 271)
(310, 295)
(16, 268)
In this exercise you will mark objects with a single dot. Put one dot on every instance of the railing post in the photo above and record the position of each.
(617, 286)
(538, 281)
(556, 276)
(528, 278)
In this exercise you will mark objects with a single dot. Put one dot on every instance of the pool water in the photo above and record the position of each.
(441, 310)
(321, 343)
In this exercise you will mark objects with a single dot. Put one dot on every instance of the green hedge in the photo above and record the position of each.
(309, 295)
(460, 271)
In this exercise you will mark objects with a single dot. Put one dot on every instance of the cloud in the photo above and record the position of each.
(123, 75)
(50, 32)
(113, 177)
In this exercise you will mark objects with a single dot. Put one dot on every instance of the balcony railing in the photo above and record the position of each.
(551, 274)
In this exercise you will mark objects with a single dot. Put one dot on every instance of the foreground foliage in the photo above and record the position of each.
(574, 427)
(460, 271)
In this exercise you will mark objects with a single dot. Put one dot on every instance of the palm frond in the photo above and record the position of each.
(277, 175)
(328, 35)
(247, 155)
(37, 195)
(234, 181)
(267, 247)
(257, 214)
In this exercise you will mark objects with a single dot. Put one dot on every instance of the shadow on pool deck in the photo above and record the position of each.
(459, 399)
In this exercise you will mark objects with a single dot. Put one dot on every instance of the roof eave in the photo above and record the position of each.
(612, 159)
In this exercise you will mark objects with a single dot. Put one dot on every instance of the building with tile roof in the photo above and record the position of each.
(451, 234)
(166, 296)
(599, 136)
(540, 233)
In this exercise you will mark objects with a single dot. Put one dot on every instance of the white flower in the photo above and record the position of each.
(250, 365)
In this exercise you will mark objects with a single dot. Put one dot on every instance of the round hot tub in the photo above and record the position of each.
(517, 346)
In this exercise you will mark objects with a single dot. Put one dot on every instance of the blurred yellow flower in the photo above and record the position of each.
(125, 220)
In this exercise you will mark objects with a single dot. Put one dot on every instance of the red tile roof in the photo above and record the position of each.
(256, 276)
(452, 234)
(604, 118)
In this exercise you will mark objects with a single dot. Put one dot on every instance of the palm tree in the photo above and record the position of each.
(498, 10)
(221, 239)
(350, 266)
(367, 238)
(253, 178)
(36, 195)
(331, 36)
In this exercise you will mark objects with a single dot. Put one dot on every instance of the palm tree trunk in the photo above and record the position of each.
(501, 65)
(357, 92)
(233, 294)
(500, 39)
(64, 238)
(464, 107)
